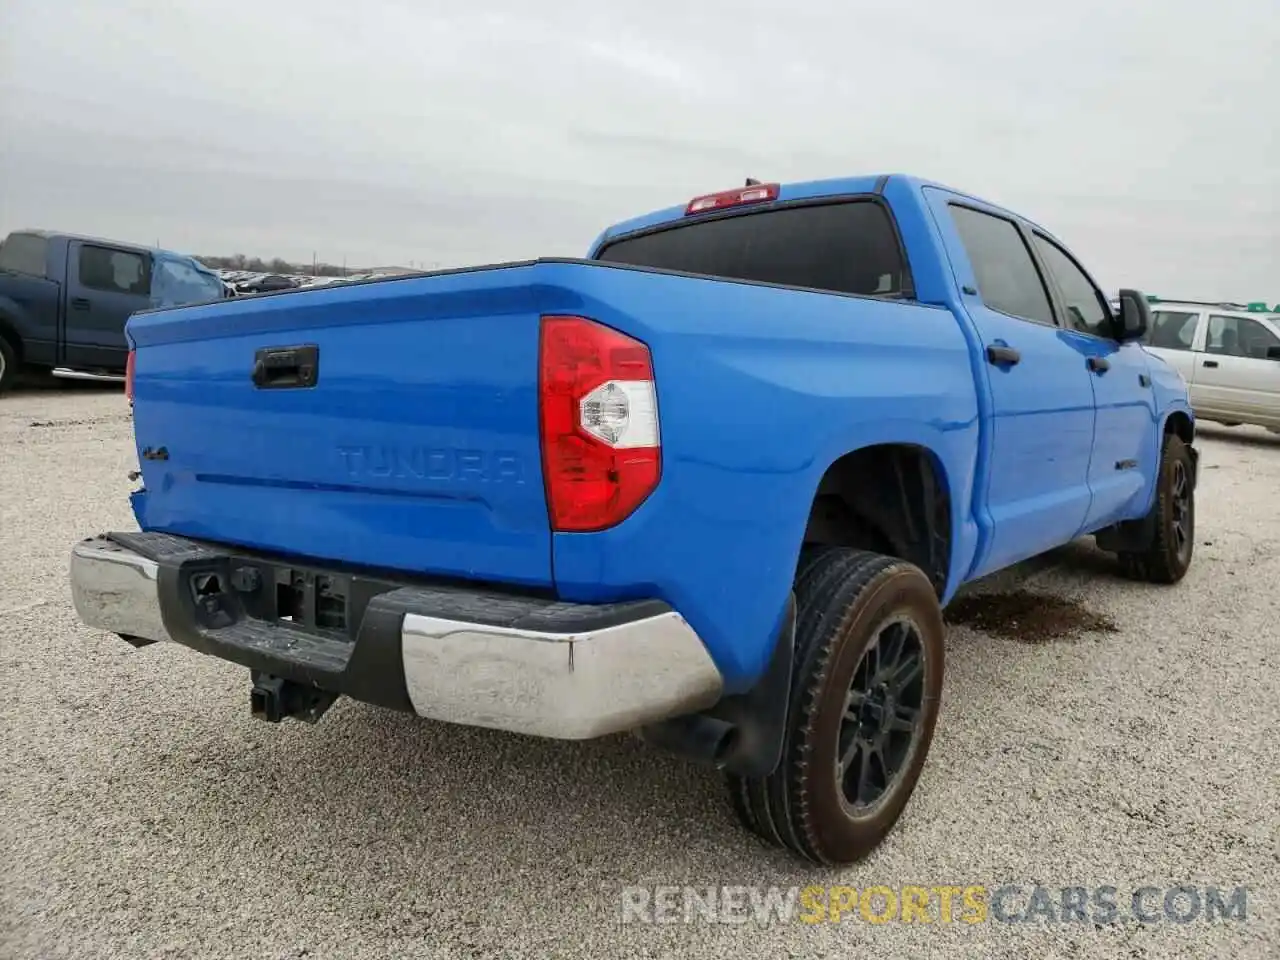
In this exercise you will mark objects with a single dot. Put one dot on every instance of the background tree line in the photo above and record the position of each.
(239, 261)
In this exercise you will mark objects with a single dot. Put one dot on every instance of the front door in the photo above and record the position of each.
(105, 286)
(1037, 491)
(1125, 455)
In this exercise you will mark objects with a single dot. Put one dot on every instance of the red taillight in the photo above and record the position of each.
(756, 193)
(128, 377)
(601, 449)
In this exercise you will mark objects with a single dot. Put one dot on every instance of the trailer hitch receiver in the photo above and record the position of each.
(274, 698)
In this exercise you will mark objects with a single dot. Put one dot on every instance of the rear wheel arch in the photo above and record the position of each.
(892, 498)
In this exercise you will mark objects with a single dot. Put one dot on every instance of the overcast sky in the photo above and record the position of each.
(435, 131)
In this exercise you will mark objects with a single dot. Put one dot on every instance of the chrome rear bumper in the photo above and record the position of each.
(115, 589)
(559, 670)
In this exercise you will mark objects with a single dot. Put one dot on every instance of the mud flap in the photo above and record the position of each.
(743, 734)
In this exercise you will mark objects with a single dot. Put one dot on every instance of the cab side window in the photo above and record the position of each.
(1087, 309)
(116, 271)
(24, 253)
(1171, 330)
(1008, 280)
(1239, 337)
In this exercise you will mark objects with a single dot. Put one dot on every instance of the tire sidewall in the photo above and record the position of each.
(1175, 452)
(8, 364)
(903, 592)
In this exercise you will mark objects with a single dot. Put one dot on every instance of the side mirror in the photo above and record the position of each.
(1135, 316)
(1273, 353)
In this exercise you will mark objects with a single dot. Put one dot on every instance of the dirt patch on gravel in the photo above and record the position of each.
(1029, 617)
(83, 422)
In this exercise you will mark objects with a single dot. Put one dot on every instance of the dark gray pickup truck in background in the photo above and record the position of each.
(64, 300)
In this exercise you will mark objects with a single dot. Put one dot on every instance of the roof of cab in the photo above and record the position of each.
(1226, 309)
(84, 238)
(1221, 306)
(805, 190)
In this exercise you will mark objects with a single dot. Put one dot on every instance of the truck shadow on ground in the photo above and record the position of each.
(1078, 560)
(1242, 436)
(390, 806)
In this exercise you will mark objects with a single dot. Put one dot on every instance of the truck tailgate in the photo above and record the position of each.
(415, 449)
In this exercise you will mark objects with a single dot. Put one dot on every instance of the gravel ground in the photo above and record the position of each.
(146, 815)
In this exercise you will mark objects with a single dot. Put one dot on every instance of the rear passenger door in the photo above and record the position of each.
(1037, 488)
(1125, 453)
(105, 286)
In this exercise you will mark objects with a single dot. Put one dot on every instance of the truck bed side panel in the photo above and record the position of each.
(760, 389)
(29, 309)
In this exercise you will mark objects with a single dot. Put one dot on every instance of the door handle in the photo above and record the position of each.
(1002, 356)
(79, 303)
(1144, 380)
(1099, 364)
(1210, 363)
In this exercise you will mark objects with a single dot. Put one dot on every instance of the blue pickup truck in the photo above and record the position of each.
(713, 484)
(65, 299)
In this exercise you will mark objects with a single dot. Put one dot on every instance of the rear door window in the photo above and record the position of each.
(1008, 280)
(1171, 330)
(844, 247)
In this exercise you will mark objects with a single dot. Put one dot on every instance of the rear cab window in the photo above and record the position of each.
(24, 253)
(844, 246)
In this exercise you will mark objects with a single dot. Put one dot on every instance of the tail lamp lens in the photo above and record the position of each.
(601, 447)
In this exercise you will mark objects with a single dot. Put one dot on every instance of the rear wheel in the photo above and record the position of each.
(8, 364)
(865, 694)
(1168, 556)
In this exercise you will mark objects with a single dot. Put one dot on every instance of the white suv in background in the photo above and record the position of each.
(1228, 353)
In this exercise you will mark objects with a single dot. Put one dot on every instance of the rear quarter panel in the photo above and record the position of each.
(31, 306)
(29, 316)
(760, 389)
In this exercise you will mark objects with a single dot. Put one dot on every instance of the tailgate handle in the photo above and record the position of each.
(284, 368)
